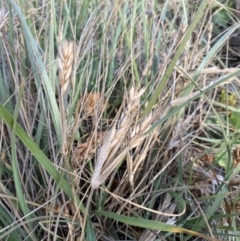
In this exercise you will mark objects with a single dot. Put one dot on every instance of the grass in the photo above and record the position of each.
(119, 120)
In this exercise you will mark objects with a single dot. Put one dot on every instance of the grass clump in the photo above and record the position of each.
(117, 121)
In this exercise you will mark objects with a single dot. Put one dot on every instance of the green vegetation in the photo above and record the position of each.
(119, 120)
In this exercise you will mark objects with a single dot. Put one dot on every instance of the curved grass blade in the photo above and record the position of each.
(154, 225)
(178, 108)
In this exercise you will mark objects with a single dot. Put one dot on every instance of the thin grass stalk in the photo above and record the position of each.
(178, 53)
(40, 71)
(15, 167)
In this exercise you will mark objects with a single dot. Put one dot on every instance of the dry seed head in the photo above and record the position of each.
(103, 154)
(86, 150)
(108, 157)
(134, 131)
(140, 93)
(132, 93)
(93, 100)
(146, 123)
(122, 125)
(65, 62)
(134, 99)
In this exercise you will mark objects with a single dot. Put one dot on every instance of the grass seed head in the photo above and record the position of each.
(93, 101)
(109, 155)
(103, 154)
(65, 62)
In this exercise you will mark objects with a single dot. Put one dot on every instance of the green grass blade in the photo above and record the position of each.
(6, 220)
(143, 223)
(90, 234)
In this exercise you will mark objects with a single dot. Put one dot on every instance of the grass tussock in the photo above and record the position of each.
(119, 120)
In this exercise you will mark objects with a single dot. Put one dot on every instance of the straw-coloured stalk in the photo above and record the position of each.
(65, 63)
(120, 137)
(3, 20)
